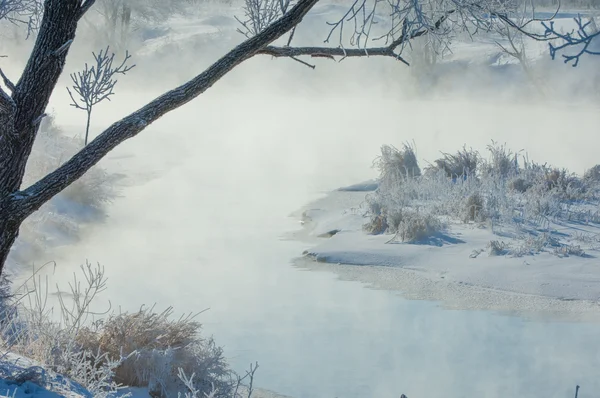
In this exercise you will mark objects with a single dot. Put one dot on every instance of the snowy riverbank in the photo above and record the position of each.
(446, 269)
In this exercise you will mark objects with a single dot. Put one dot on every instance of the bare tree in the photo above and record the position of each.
(118, 18)
(581, 39)
(96, 84)
(514, 41)
(22, 110)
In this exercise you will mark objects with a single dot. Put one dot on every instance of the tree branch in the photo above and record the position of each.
(10, 85)
(32, 198)
(331, 52)
(85, 7)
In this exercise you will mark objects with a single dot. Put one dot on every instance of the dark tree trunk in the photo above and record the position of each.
(8, 236)
(22, 111)
(32, 92)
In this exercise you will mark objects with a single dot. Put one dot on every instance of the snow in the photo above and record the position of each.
(43, 383)
(445, 264)
(20, 378)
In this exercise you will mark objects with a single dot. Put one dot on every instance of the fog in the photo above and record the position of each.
(211, 187)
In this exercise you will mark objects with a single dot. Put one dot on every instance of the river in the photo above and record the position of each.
(202, 222)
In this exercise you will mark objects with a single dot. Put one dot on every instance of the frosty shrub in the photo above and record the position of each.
(502, 162)
(474, 208)
(519, 184)
(461, 164)
(504, 189)
(156, 348)
(32, 332)
(397, 165)
(378, 222)
(413, 226)
(144, 348)
(496, 248)
(566, 185)
(593, 174)
(397, 168)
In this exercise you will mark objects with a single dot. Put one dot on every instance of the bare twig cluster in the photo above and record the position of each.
(393, 49)
(26, 12)
(397, 23)
(96, 83)
(581, 38)
(259, 14)
(248, 379)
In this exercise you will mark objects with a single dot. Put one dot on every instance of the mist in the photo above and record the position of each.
(204, 216)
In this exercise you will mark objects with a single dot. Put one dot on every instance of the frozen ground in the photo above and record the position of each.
(454, 268)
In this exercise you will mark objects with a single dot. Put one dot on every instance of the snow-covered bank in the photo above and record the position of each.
(445, 270)
(21, 377)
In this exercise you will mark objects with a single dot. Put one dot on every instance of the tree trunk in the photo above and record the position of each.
(22, 111)
(8, 236)
(125, 24)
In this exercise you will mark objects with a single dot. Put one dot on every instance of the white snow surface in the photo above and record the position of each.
(444, 270)
(21, 377)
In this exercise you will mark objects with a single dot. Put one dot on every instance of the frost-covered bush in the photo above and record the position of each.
(519, 184)
(504, 189)
(413, 225)
(461, 164)
(502, 161)
(156, 348)
(474, 208)
(397, 165)
(593, 174)
(145, 348)
(496, 248)
(32, 332)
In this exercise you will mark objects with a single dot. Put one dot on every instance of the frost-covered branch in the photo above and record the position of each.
(27, 12)
(393, 49)
(9, 84)
(331, 53)
(96, 84)
(397, 22)
(409, 18)
(513, 43)
(581, 39)
(75, 315)
(259, 14)
(248, 379)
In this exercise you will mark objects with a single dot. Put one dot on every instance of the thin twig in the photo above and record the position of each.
(303, 63)
(289, 43)
(10, 85)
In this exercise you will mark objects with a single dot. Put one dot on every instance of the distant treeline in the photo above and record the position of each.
(566, 4)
